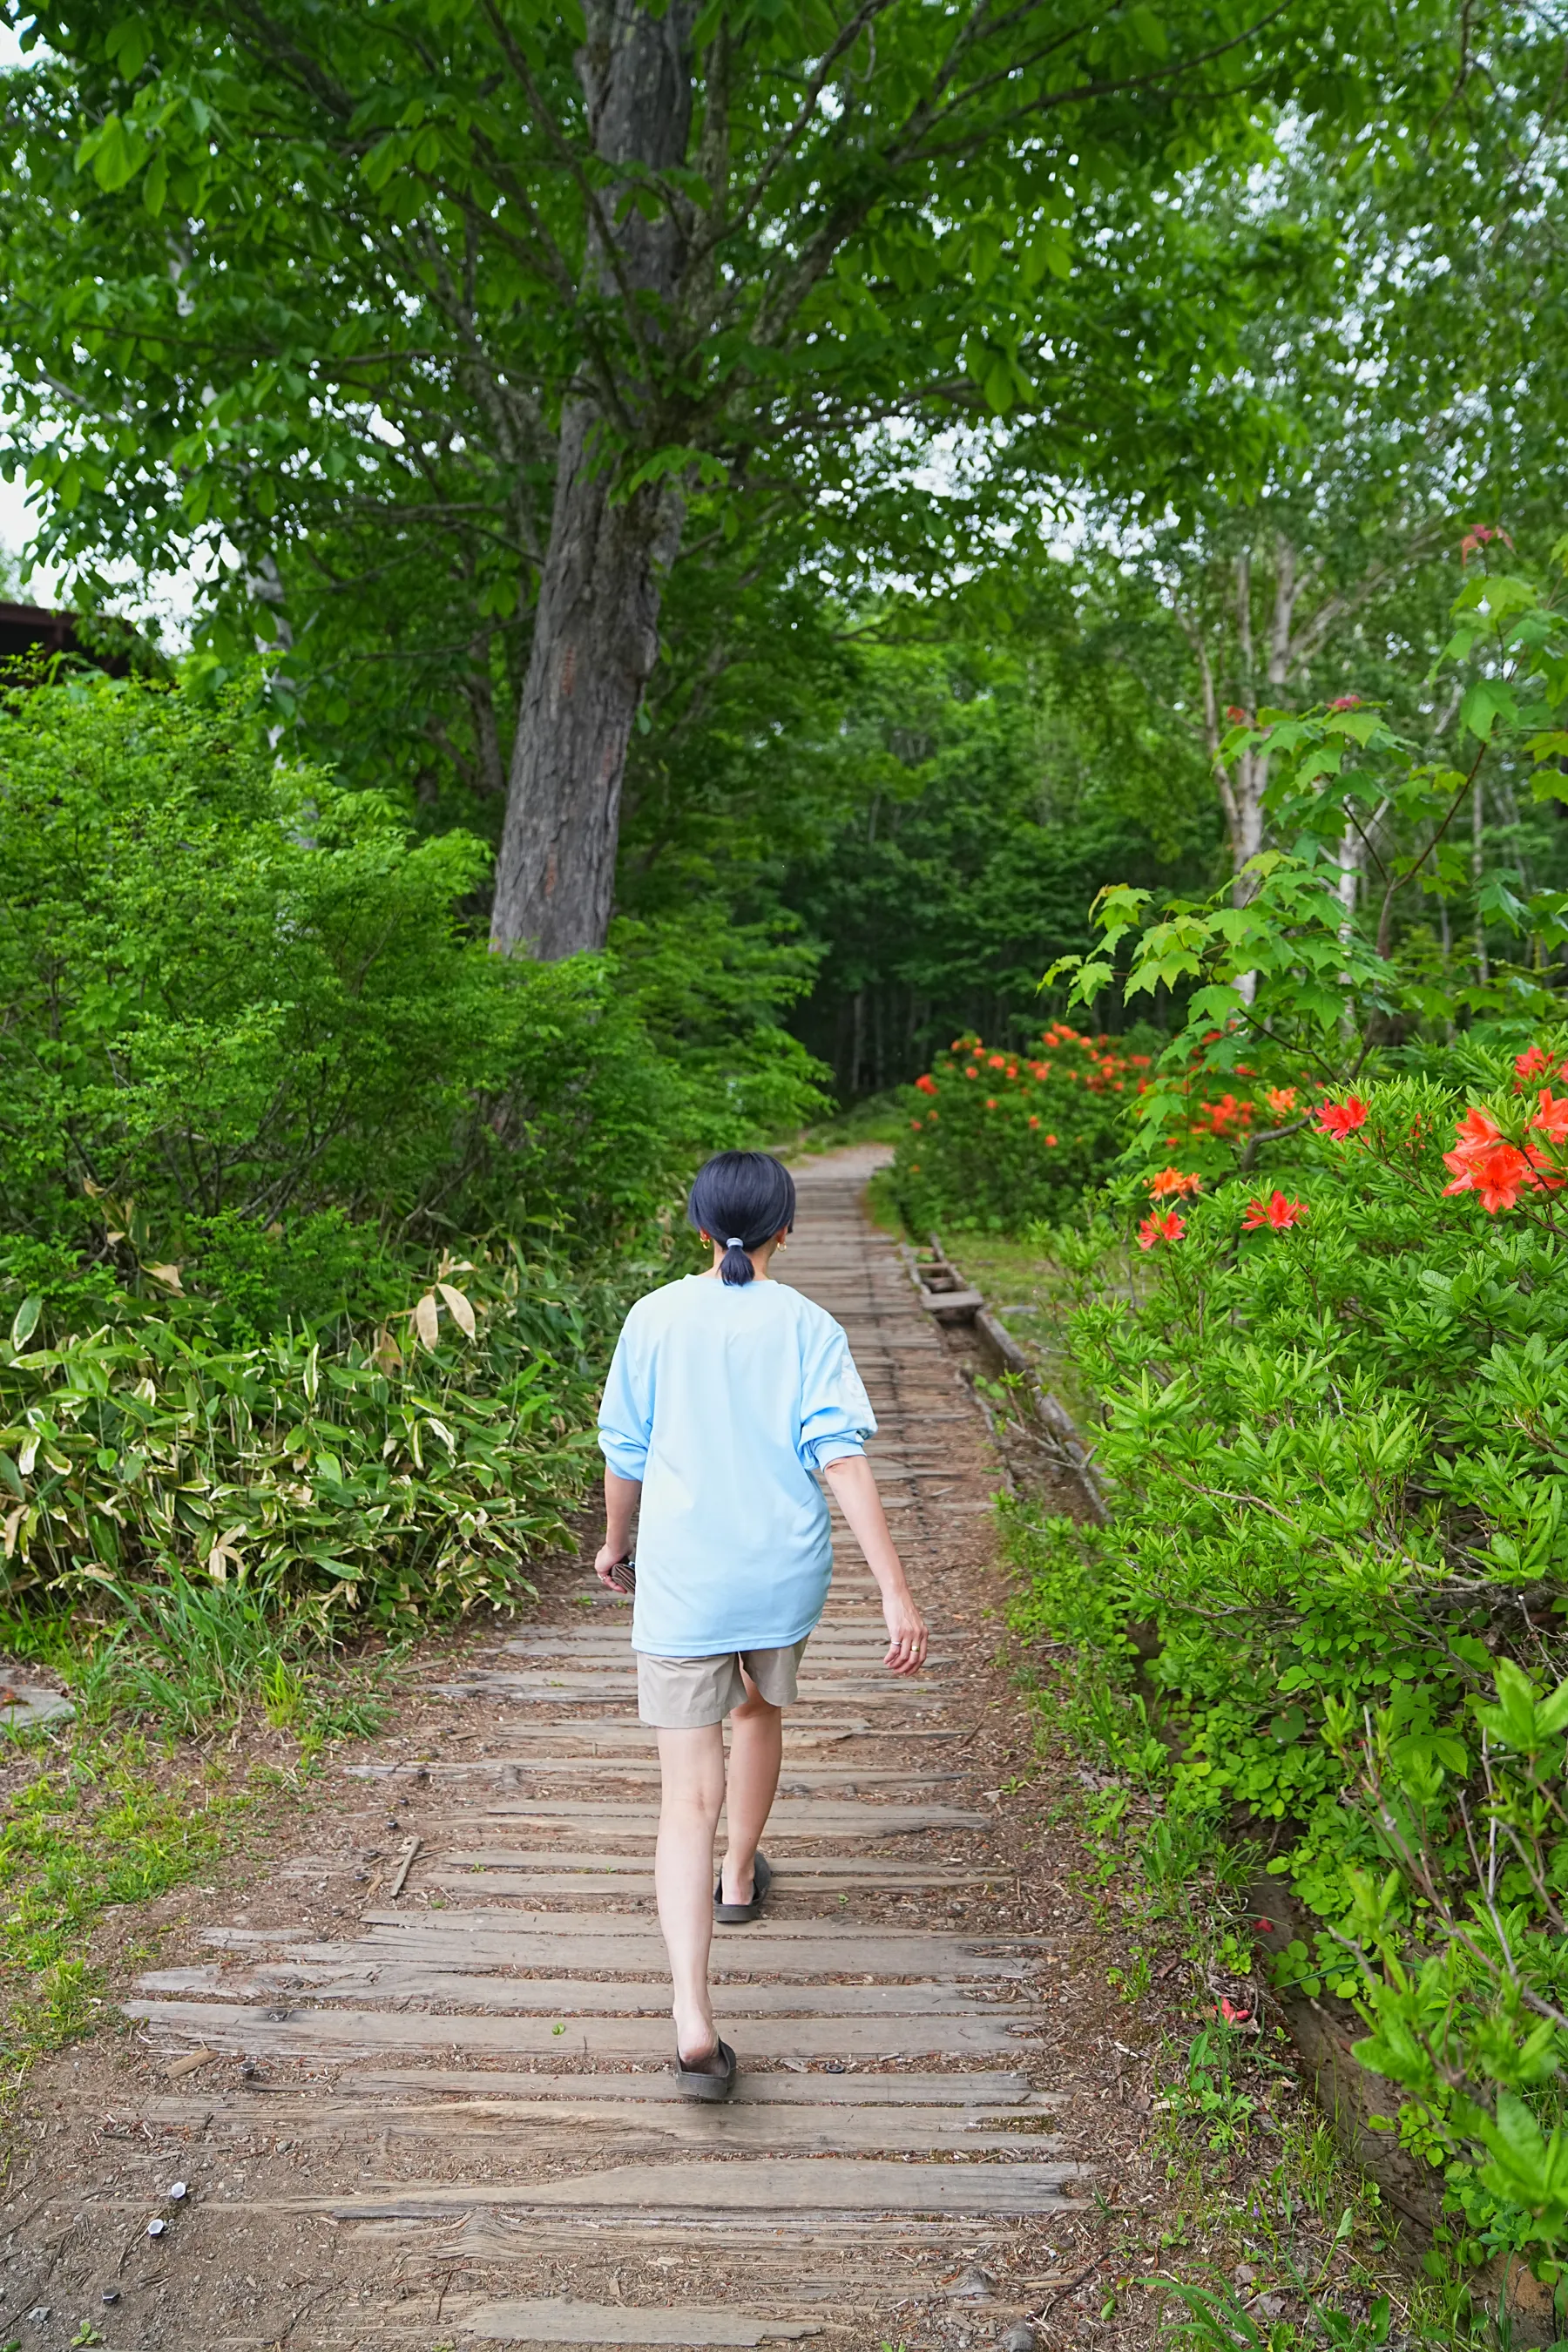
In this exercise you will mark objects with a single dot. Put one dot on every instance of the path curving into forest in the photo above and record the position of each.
(439, 2113)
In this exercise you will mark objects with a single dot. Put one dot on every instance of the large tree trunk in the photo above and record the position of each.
(595, 639)
(595, 628)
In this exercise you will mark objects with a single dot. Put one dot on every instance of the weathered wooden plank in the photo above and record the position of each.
(562, 1996)
(631, 1878)
(979, 2091)
(798, 1778)
(864, 1869)
(750, 2185)
(643, 1953)
(556, 2128)
(320, 2033)
(791, 1813)
(759, 1938)
(563, 2320)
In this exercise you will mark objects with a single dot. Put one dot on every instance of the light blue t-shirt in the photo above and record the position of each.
(726, 1399)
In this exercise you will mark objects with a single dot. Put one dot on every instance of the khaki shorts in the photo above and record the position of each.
(683, 1693)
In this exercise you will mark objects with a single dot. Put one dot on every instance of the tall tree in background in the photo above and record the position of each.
(494, 288)
(1415, 356)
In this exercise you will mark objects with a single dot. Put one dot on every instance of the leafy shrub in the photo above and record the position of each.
(996, 1140)
(1336, 1441)
(399, 1474)
(249, 1036)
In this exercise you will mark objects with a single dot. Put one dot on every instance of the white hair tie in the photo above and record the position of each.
(734, 1242)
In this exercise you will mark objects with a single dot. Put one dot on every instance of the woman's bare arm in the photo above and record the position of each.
(854, 1483)
(621, 1497)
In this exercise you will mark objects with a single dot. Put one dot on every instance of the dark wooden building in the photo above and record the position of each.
(34, 629)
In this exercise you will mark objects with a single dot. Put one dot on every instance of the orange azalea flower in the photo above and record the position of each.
(1172, 1181)
(990, 1102)
(1281, 1099)
(1533, 1064)
(927, 1085)
(1034, 1119)
(1277, 1212)
(1482, 1163)
(1552, 1118)
(1168, 1228)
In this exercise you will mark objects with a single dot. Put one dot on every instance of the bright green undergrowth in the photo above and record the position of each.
(104, 1822)
(1328, 1618)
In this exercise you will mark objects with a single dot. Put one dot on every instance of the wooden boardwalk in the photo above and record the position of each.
(448, 2119)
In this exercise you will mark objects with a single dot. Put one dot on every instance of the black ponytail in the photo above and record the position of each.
(743, 1199)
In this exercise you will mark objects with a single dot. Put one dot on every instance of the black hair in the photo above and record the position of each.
(742, 1199)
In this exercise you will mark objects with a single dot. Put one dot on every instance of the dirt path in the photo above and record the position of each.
(435, 2108)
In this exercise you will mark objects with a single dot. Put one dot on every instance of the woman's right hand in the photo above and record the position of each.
(607, 1557)
(907, 1635)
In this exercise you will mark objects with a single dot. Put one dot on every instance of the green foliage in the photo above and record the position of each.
(1333, 1437)
(996, 1141)
(1282, 971)
(245, 1022)
(399, 1480)
(392, 269)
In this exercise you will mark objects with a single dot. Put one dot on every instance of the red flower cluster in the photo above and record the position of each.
(1346, 702)
(1480, 537)
(1232, 1115)
(1063, 1054)
(1483, 1160)
(1341, 1119)
(1535, 1062)
(1277, 1212)
(1168, 1228)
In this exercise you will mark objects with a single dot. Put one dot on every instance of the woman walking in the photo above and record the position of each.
(728, 1394)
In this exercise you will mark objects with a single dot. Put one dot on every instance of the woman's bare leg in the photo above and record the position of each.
(756, 1752)
(691, 1767)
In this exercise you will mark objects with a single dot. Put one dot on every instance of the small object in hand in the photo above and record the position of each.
(624, 1574)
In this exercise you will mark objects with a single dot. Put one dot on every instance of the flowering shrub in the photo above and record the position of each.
(996, 1140)
(1335, 1440)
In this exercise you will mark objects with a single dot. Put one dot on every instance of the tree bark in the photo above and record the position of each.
(595, 639)
(595, 629)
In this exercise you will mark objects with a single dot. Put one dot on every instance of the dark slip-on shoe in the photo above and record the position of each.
(699, 2082)
(736, 1914)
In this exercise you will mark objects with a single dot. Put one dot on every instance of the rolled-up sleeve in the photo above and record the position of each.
(836, 1415)
(625, 1416)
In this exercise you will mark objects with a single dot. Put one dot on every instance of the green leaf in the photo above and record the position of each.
(24, 1322)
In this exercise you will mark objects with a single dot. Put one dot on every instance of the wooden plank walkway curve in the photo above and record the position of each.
(459, 2106)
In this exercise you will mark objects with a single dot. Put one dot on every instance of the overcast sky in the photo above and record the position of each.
(13, 518)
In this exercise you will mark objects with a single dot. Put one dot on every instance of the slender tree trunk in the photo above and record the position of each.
(595, 629)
